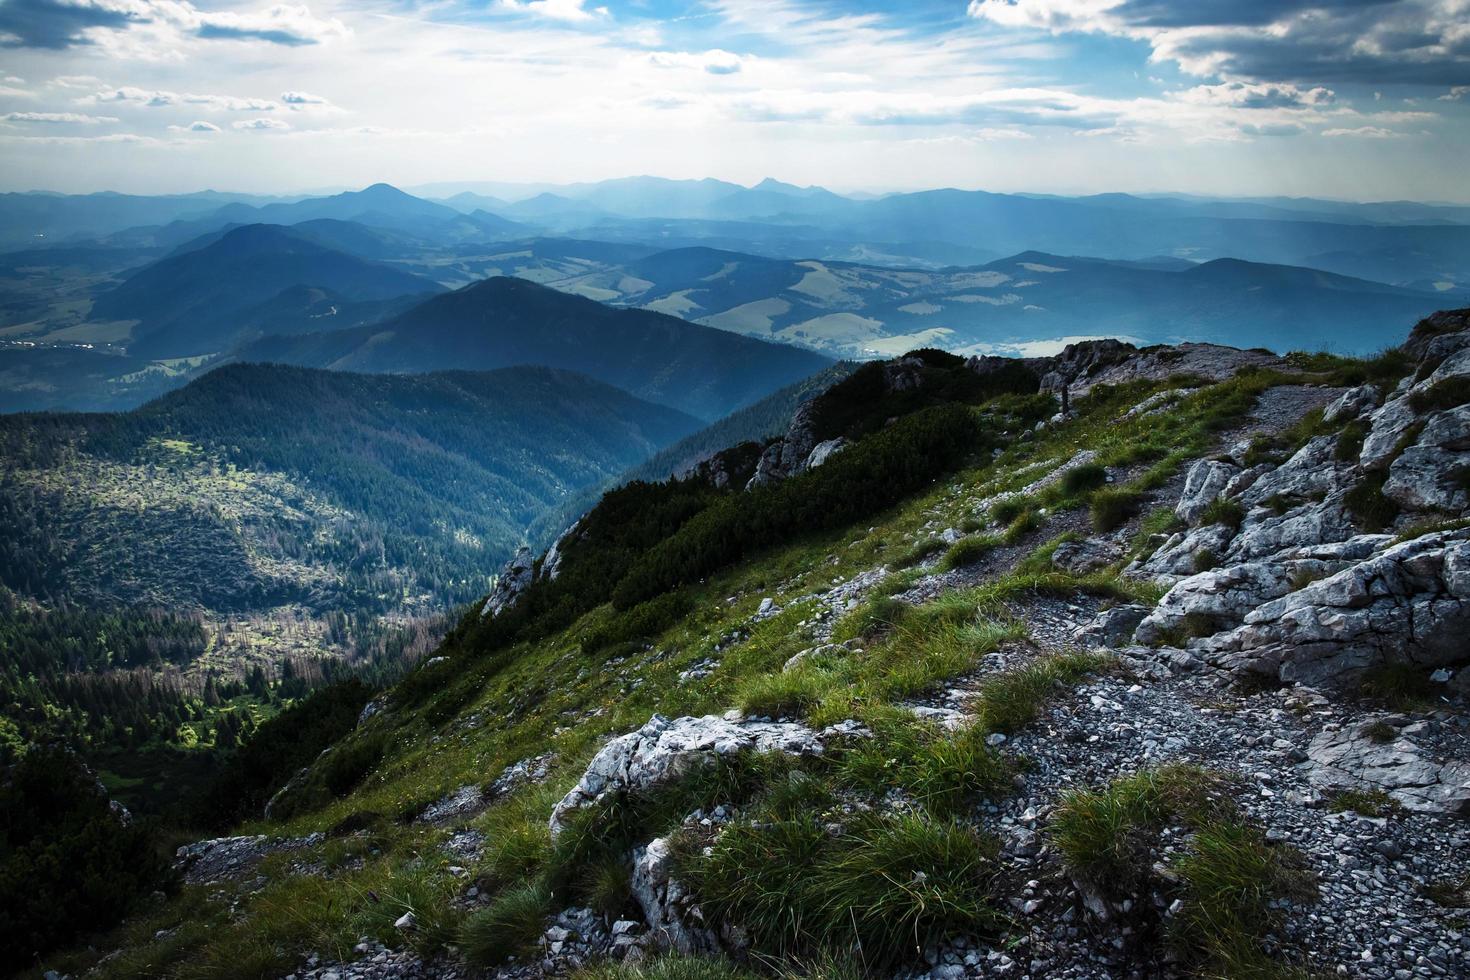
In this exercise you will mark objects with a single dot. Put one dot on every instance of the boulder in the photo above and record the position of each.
(1081, 557)
(824, 451)
(664, 749)
(1203, 485)
(1358, 758)
(1111, 628)
(1431, 475)
(1407, 604)
(1390, 425)
(1352, 404)
(1439, 335)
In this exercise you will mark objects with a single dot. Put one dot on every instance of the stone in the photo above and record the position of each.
(1203, 485)
(1407, 604)
(1112, 627)
(1352, 403)
(664, 749)
(1350, 759)
(824, 451)
(1431, 474)
(1086, 556)
(674, 922)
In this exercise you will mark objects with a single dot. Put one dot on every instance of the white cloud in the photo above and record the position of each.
(57, 117)
(566, 10)
(261, 123)
(295, 99)
(158, 99)
(1364, 132)
(198, 126)
(282, 24)
(1455, 94)
(714, 61)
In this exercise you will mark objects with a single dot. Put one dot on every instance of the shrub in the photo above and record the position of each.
(509, 926)
(1110, 508)
(68, 864)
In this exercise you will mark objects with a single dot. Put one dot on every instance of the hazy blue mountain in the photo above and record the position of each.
(506, 321)
(857, 310)
(28, 219)
(191, 303)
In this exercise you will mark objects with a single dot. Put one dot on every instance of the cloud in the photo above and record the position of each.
(281, 24)
(158, 99)
(133, 138)
(302, 98)
(1247, 95)
(1455, 94)
(198, 126)
(57, 117)
(59, 24)
(1311, 41)
(567, 10)
(261, 123)
(1364, 132)
(714, 61)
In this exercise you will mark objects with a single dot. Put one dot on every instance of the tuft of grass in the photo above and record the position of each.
(1365, 803)
(1224, 512)
(1350, 441)
(878, 615)
(1228, 878)
(1204, 560)
(1444, 394)
(942, 772)
(922, 550)
(1402, 687)
(1452, 893)
(1012, 698)
(1006, 511)
(882, 887)
(967, 551)
(1370, 508)
(508, 926)
(670, 966)
(1023, 525)
(1081, 479)
(1111, 508)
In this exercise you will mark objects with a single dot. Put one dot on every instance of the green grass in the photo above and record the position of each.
(1402, 687)
(1228, 879)
(1365, 803)
(882, 887)
(1369, 507)
(967, 551)
(1443, 394)
(1011, 699)
(1081, 479)
(508, 927)
(670, 966)
(1227, 513)
(1111, 508)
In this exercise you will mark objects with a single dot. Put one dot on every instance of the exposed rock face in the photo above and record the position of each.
(1360, 759)
(1409, 604)
(1431, 474)
(1352, 404)
(824, 451)
(674, 920)
(1439, 335)
(1086, 556)
(664, 749)
(515, 578)
(1203, 485)
(1112, 627)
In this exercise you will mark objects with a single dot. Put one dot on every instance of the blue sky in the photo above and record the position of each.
(1361, 99)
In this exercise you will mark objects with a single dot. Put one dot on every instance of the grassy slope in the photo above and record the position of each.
(553, 696)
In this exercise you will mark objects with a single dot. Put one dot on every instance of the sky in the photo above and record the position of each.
(1354, 99)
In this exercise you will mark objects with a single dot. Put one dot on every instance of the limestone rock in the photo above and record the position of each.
(1086, 556)
(514, 579)
(674, 921)
(1112, 627)
(1431, 474)
(1352, 759)
(1203, 485)
(1352, 404)
(664, 749)
(824, 451)
(1407, 604)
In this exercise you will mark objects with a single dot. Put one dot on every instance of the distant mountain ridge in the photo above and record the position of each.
(506, 321)
(192, 302)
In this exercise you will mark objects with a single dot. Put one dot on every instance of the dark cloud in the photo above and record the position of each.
(53, 25)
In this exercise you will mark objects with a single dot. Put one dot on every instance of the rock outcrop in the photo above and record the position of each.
(664, 749)
(1376, 757)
